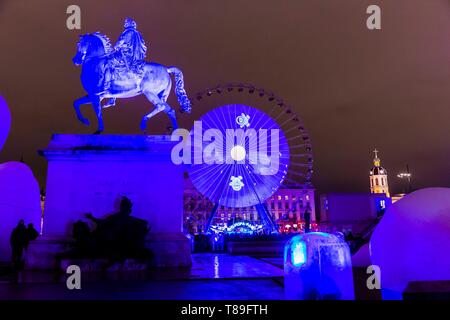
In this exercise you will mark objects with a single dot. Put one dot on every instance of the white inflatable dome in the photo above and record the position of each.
(19, 199)
(412, 240)
(19, 192)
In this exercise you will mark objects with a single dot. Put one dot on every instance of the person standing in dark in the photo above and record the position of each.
(18, 241)
(307, 218)
(32, 234)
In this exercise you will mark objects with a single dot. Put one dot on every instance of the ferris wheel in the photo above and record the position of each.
(251, 143)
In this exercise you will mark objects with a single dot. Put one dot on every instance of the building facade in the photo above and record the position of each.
(351, 211)
(286, 206)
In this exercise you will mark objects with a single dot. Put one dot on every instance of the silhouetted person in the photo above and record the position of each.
(348, 236)
(83, 240)
(18, 241)
(307, 218)
(120, 236)
(31, 235)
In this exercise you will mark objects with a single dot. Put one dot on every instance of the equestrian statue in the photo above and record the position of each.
(121, 72)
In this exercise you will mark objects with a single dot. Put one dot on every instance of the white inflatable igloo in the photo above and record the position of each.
(412, 240)
(19, 199)
(19, 192)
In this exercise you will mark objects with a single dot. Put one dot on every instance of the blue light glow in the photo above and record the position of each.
(243, 120)
(318, 265)
(249, 162)
(298, 254)
(236, 183)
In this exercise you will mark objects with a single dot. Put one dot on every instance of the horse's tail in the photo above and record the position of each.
(182, 97)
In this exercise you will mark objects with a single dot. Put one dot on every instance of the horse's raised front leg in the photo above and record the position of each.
(76, 105)
(96, 104)
(159, 106)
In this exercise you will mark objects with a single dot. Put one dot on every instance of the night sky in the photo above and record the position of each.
(353, 88)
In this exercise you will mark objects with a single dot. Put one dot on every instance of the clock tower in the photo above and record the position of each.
(378, 177)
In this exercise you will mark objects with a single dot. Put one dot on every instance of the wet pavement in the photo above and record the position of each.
(229, 289)
(212, 277)
(221, 266)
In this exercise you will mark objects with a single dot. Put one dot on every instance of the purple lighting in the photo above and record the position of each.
(245, 156)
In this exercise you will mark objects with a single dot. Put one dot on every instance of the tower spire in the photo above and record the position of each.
(376, 160)
(378, 177)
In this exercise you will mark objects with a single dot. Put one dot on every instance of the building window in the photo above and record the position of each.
(272, 205)
(286, 205)
(279, 197)
(286, 197)
(280, 206)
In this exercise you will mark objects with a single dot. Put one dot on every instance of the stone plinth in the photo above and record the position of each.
(90, 173)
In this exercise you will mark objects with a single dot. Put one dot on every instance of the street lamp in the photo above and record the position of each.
(406, 175)
(403, 175)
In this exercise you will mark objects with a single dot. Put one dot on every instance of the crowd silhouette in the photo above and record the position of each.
(21, 236)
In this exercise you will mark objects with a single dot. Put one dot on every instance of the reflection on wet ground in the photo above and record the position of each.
(212, 276)
(219, 289)
(227, 266)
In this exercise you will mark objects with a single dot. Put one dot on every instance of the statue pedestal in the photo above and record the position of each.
(90, 173)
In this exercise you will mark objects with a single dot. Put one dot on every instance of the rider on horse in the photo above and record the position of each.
(129, 56)
(131, 45)
(122, 73)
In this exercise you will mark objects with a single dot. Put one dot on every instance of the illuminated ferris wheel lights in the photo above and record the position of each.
(286, 118)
